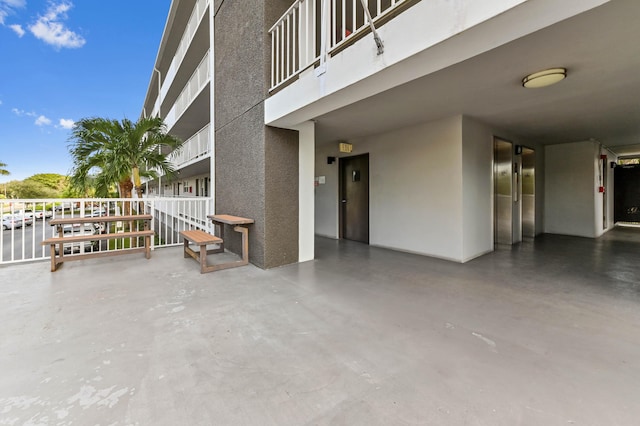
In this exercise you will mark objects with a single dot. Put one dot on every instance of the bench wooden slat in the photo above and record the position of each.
(200, 237)
(91, 237)
(72, 220)
(230, 220)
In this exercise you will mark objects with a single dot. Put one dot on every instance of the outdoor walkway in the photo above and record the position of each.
(545, 333)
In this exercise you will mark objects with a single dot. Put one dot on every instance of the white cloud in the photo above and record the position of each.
(21, 113)
(42, 121)
(66, 123)
(51, 30)
(14, 3)
(17, 28)
(7, 7)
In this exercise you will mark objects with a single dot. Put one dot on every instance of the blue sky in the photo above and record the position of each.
(64, 60)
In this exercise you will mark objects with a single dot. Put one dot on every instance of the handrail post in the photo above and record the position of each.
(324, 33)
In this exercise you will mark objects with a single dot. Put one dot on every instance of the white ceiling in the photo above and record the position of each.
(600, 99)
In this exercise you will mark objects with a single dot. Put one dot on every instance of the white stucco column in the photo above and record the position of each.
(306, 198)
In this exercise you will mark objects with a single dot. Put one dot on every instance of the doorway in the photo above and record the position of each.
(503, 191)
(626, 193)
(528, 193)
(354, 198)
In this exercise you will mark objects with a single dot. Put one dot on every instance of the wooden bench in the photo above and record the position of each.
(61, 240)
(203, 239)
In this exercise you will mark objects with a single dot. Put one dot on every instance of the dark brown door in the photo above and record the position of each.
(354, 198)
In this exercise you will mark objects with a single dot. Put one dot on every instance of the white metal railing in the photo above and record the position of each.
(294, 41)
(198, 80)
(21, 242)
(172, 215)
(197, 146)
(297, 37)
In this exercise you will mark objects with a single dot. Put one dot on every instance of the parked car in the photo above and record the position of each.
(63, 206)
(40, 214)
(97, 213)
(11, 222)
(80, 229)
(26, 219)
(28, 214)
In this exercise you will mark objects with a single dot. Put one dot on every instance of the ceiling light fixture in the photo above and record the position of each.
(544, 78)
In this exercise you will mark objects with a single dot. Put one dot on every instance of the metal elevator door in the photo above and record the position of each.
(503, 191)
(528, 193)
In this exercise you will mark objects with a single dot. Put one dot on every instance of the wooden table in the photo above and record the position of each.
(220, 220)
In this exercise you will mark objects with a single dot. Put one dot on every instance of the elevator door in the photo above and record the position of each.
(528, 193)
(354, 198)
(503, 191)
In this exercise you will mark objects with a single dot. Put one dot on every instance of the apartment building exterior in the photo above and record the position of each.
(407, 127)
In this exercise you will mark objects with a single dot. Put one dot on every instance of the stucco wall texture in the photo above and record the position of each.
(256, 166)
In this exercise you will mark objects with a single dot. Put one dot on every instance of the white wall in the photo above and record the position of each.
(416, 185)
(306, 198)
(415, 189)
(609, 192)
(431, 188)
(571, 186)
(610, 185)
(326, 195)
(477, 187)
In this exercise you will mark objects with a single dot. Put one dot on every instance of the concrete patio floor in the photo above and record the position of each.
(544, 333)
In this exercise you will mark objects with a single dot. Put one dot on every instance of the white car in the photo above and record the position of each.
(14, 221)
(24, 213)
(80, 229)
(41, 214)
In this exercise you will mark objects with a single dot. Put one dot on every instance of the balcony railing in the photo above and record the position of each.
(198, 80)
(21, 240)
(313, 29)
(190, 30)
(192, 149)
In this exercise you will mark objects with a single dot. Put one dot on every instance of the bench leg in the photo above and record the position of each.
(52, 252)
(245, 243)
(147, 247)
(186, 247)
(203, 258)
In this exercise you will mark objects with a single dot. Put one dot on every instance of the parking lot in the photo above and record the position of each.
(25, 241)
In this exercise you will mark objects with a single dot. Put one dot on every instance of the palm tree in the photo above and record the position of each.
(109, 152)
(4, 172)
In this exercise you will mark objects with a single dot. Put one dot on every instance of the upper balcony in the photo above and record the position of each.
(195, 96)
(324, 56)
(193, 149)
(312, 29)
(184, 43)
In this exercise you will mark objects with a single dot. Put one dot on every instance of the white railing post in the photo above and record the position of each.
(325, 22)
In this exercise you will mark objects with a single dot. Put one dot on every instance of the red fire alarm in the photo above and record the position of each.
(601, 189)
